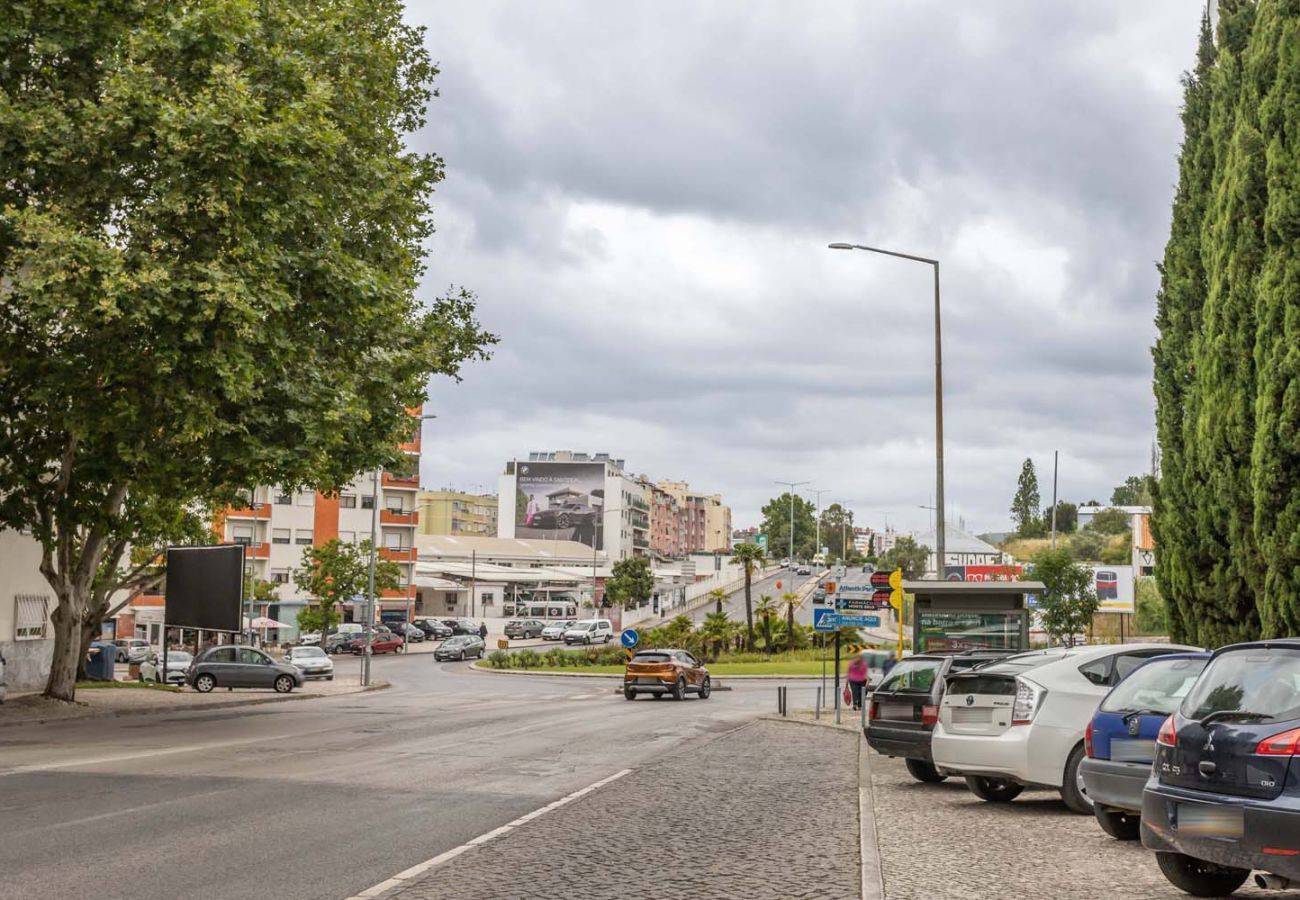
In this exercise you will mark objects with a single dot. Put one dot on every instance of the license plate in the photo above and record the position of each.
(1132, 751)
(903, 711)
(1209, 821)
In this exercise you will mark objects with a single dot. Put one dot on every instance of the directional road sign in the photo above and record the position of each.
(863, 588)
(855, 603)
(629, 638)
(829, 620)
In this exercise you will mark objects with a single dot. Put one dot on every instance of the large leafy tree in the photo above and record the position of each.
(1068, 601)
(211, 230)
(837, 531)
(1025, 504)
(1135, 491)
(750, 557)
(908, 555)
(631, 581)
(776, 525)
(334, 573)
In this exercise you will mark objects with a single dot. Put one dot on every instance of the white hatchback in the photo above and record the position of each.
(1020, 721)
(590, 631)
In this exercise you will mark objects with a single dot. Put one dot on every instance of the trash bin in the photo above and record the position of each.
(100, 665)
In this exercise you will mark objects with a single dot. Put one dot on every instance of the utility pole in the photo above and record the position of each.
(1056, 459)
(370, 580)
(792, 485)
(818, 548)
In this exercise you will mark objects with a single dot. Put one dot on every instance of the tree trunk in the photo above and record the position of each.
(62, 683)
(767, 633)
(749, 611)
(789, 627)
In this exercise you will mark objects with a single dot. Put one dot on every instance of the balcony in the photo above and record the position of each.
(399, 517)
(399, 593)
(398, 554)
(256, 551)
(402, 482)
(262, 511)
(638, 541)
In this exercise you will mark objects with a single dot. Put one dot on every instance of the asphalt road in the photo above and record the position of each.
(318, 798)
(734, 605)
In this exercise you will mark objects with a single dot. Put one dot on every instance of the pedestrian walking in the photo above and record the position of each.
(482, 630)
(856, 676)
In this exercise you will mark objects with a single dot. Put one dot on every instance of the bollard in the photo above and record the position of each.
(817, 712)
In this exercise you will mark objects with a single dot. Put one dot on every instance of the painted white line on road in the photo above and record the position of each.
(420, 868)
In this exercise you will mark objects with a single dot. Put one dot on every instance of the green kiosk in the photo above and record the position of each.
(970, 615)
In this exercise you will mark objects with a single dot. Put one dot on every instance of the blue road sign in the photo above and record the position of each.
(829, 620)
(629, 638)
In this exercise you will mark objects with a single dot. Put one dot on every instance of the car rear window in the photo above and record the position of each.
(913, 675)
(1004, 685)
(1265, 681)
(651, 658)
(1158, 686)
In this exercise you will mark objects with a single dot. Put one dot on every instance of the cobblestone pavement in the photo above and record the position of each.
(767, 811)
(940, 841)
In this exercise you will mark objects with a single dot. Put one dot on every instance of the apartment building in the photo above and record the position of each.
(707, 519)
(276, 526)
(448, 512)
(667, 522)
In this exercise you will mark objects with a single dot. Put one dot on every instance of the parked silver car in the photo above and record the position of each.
(177, 662)
(312, 662)
(554, 631)
(244, 667)
(132, 649)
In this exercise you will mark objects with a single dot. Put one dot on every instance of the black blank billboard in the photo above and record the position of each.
(205, 587)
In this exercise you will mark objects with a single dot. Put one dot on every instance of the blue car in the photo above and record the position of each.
(1223, 799)
(1120, 741)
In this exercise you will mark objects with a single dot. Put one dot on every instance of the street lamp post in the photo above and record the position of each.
(940, 535)
(601, 526)
(792, 485)
(818, 548)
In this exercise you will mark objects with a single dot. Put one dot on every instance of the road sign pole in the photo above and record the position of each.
(838, 698)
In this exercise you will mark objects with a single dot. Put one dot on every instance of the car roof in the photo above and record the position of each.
(1275, 644)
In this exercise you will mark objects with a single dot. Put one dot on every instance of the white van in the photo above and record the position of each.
(590, 631)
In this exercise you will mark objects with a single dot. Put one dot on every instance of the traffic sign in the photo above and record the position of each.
(855, 603)
(888, 588)
(629, 638)
(760, 541)
(829, 587)
(829, 620)
(855, 588)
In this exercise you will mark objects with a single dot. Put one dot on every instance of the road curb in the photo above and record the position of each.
(158, 710)
(873, 878)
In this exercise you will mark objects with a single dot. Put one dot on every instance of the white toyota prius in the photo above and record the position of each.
(1019, 722)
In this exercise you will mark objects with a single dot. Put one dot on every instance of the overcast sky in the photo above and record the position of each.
(641, 195)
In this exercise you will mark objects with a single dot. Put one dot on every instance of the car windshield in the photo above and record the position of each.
(456, 641)
(1159, 686)
(912, 675)
(1257, 680)
(655, 657)
(583, 626)
(308, 651)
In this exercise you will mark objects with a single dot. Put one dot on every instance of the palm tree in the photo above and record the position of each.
(766, 611)
(718, 595)
(749, 556)
(716, 630)
(791, 602)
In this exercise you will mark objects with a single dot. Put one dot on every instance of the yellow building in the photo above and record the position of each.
(455, 512)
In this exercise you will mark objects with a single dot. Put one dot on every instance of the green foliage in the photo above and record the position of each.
(1067, 518)
(1118, 553)
(1069, 601)
(718, 596)
(334, 572)
(499, 659)
(1087, 546)
(716, 631)
(320, 619)
(211, 234)
(776, 525)
(1135, 491)
(1025, 504)
(908, 555)
(1152, 616)
(1109, 521)
(766, 611)
(631, 582)
(750, 557)
(837, 531)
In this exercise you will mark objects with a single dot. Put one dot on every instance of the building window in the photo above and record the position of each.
(241, 534)
(393, 540)
(279, 576)
(302, 537)
(280, 535)
(307, 498)
(348, 501)
(347, 537)
(488, 597)
(367, 501)
(393, 504)
(283, 500)
(31, 620)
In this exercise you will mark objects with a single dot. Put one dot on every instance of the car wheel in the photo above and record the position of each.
(925, 771)
(1073, 791)
(329, 677)
(562, 521)
(679, 689)
(462, 656)
(706, 688)
(994, 790)
(1119, 824)
(1199, 877)
(480, 652)
(283, 684)
(204, 683)
(629, 693)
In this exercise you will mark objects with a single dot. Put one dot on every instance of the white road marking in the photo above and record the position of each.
(420, 868)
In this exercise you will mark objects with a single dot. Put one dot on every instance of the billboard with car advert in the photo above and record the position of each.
(1114, 586)
(560, 501)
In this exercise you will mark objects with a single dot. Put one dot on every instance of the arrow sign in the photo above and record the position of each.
(828, 620)
(855, 603)
(629, 638)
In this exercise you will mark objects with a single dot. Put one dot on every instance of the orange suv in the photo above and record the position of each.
(660, 672)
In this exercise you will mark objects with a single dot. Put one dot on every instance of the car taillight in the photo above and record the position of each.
(1285, 744)
(873, 711)
(1087, 741)
(1029, 697)
(1168, 736)
(929, 715)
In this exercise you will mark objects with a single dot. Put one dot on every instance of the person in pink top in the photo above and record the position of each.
(856, 676)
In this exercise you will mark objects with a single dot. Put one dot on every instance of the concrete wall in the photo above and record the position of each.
(27, 662)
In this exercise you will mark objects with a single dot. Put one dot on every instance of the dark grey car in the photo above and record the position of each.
(240, 667)
(462, 646)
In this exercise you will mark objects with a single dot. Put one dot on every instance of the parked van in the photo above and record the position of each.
(590, 631)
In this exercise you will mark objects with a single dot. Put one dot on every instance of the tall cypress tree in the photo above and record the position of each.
(1179, 567)
(1273, 64)
(1221, 407)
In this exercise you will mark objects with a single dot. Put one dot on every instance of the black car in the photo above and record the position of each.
(240, 667)
(566, 515)
(1223, 798)
(338, 642)
(462, 626)
(433, 629)
(462, 646)
(904, 707)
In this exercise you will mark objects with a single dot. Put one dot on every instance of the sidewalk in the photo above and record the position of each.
(768, 810)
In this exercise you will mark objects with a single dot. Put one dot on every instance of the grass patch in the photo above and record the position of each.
(127, 685)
